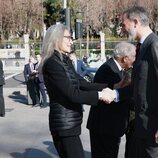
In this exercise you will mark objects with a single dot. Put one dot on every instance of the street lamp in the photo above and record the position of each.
(79, 29)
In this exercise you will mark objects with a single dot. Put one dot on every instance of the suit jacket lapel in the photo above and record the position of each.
(139, 58)
(142, 52)
(115, 68)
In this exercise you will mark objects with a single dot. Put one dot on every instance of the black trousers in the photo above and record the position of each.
(141, 148)
(2, 104)
(68, 146)
(40, 92)
(104, 146)
(31, 92)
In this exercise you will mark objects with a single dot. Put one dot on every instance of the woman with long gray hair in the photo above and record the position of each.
(67, 92)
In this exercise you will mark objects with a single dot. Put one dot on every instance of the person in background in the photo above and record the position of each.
(67, 92)
(85, 60)
(107, 123)
(39, 83)
(2, 82)
(143, 142)
(29, 75)
(84, 70)
(78, 64)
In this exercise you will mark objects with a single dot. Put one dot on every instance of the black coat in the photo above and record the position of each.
(2, 82)
(109, 119)
(145, 88)
(67, 91)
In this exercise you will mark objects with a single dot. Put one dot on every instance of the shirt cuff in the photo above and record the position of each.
(116, 96)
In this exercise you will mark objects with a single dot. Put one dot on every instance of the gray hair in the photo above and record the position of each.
(123, 49)
(53, 40)
(137, 12)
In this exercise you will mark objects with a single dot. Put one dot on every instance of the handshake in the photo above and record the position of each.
(107, 95)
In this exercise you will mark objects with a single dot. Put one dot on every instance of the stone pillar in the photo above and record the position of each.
(102, 42)
(27, 47)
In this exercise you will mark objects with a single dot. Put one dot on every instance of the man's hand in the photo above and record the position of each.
(123, 83)
(107, 95)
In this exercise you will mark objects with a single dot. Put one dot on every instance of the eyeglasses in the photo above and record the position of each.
(69, 37)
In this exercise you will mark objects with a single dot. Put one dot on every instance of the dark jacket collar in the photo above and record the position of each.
(61, 56)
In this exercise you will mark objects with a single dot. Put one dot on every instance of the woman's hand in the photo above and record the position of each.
(107, 95)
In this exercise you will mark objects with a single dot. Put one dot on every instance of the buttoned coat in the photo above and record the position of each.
(145, 89)
(109, 119)
(67, 92)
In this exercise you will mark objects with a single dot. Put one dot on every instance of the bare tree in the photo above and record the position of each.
(19, 17)
(104, 14)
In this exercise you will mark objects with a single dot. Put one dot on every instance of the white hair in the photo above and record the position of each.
(123, 49)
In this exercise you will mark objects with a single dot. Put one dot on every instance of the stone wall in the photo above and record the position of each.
(15, 57)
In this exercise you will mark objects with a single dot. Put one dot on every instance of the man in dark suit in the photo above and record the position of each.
(107, 123)
(2, 82)
(39, 82)
(29, 75)
(144, 140)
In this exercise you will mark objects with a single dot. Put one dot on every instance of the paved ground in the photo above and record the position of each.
(24, 130)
